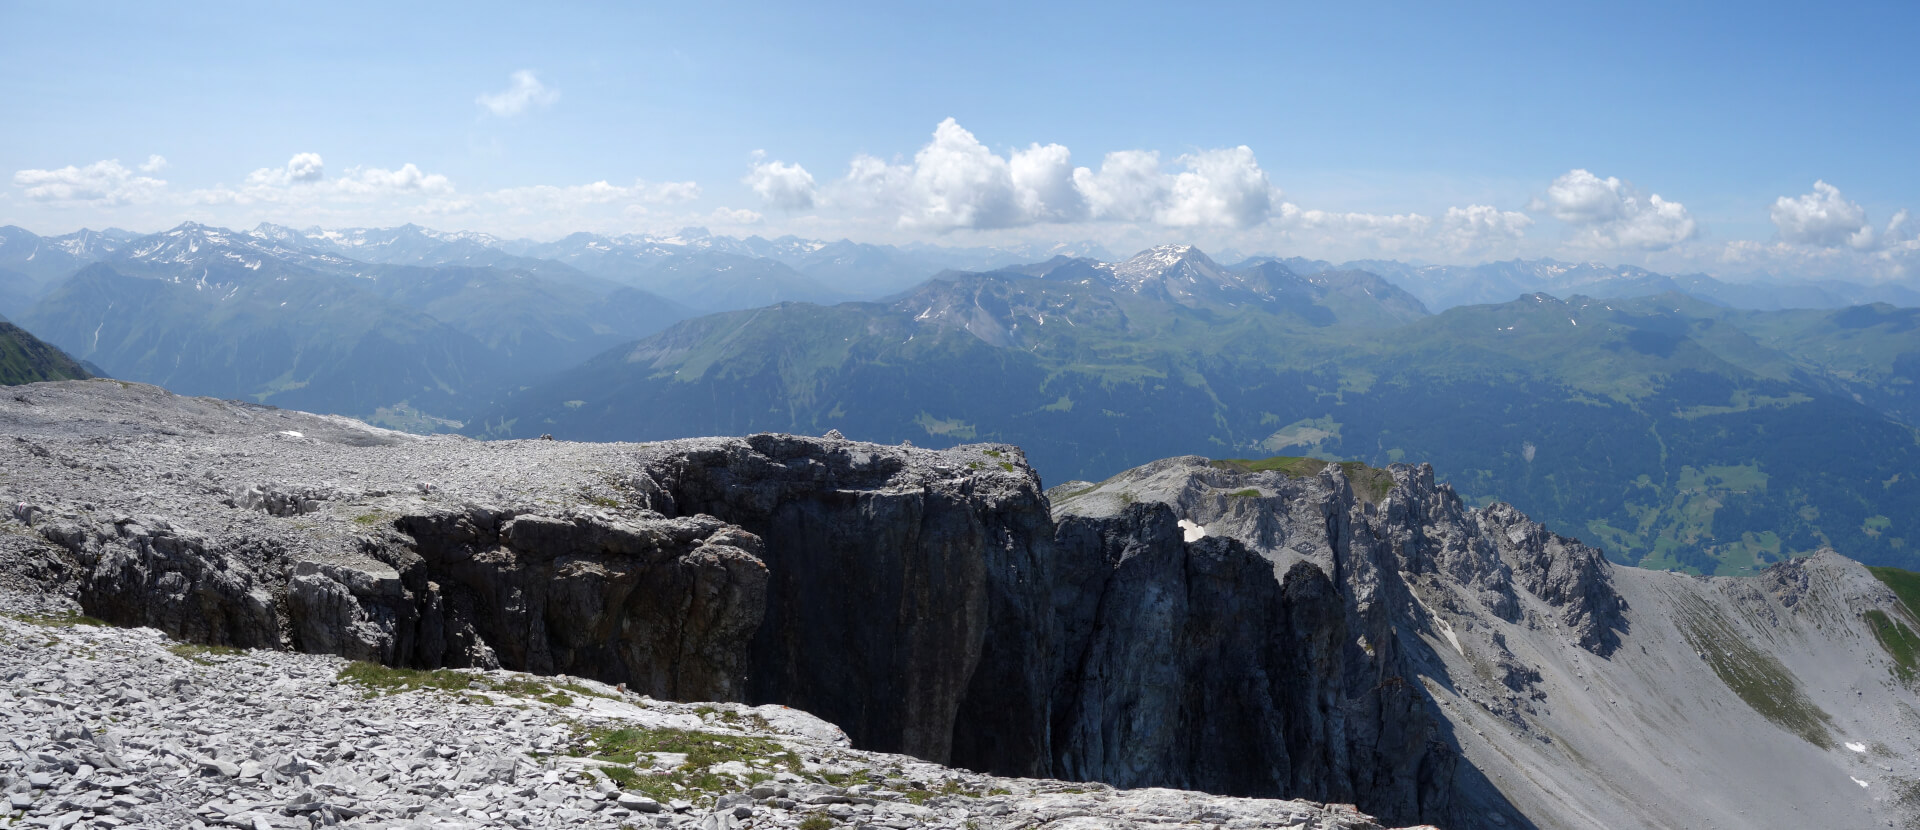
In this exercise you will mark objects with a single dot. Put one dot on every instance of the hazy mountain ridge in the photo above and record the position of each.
(261, 317)
(1640, 427)
(825, 271)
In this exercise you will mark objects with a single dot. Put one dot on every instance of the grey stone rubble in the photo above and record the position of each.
(114, 727)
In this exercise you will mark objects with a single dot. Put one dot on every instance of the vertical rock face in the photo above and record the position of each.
(1251, 632)
(902, 588)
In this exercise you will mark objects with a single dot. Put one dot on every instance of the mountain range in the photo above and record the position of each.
(1677, 422)
(1670, 432)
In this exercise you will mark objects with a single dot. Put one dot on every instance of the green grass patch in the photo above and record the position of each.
(58, 620)
(703, 749)
(204, 654)
(1905, 585)
(1755, 676)
(388, 680)
(816, 822)
(627, 747)
(1370, 483)
(1248, 493)
(1899, 641)
(1006, 465)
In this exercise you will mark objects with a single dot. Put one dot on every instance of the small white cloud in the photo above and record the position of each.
(303, 180)
(105, 182)
(523, 92)
(787, 187)
(374, 181)
(1824, 218)
(302, 168)
(306, 167)
(154, 164)
(1610, 213)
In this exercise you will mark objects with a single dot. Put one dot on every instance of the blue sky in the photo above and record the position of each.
(1364, 124)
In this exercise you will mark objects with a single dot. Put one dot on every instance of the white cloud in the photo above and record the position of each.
(787, 187)
(598, 193)
(1220, 188)
(1128, 188)
(524, 91)
(1823, 218)
(154, 164)
(303, 167)
(303, 180)
(1609, 213)
(101, 183)
(1370, 225)
(1043, 184)
(1470, 227)
(956, 182)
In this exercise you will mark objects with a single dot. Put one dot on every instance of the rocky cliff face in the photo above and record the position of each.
(1341, 634)
(1253, 630)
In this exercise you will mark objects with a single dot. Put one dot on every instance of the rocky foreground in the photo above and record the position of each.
(115, 727)
(1286, 629)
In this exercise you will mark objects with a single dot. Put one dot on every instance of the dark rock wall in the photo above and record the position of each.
(925, 608)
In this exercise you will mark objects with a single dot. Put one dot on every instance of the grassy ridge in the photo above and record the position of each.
(28, 359)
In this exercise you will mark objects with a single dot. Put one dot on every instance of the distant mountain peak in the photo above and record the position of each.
(1165, 264)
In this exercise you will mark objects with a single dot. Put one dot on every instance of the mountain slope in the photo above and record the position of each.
(286, 336)
(260, 316)
(27, 359)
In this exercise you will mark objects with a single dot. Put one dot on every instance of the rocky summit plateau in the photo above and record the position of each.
(312, 621)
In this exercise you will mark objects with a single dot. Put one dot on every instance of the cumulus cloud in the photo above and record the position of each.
(956, 182)
(154, 164)
(523, 92)
(1220, 188)
(1129, 187)
(1823, 218)
(782, 186)
(303, 167)
(102, 183)
(1610, 213)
